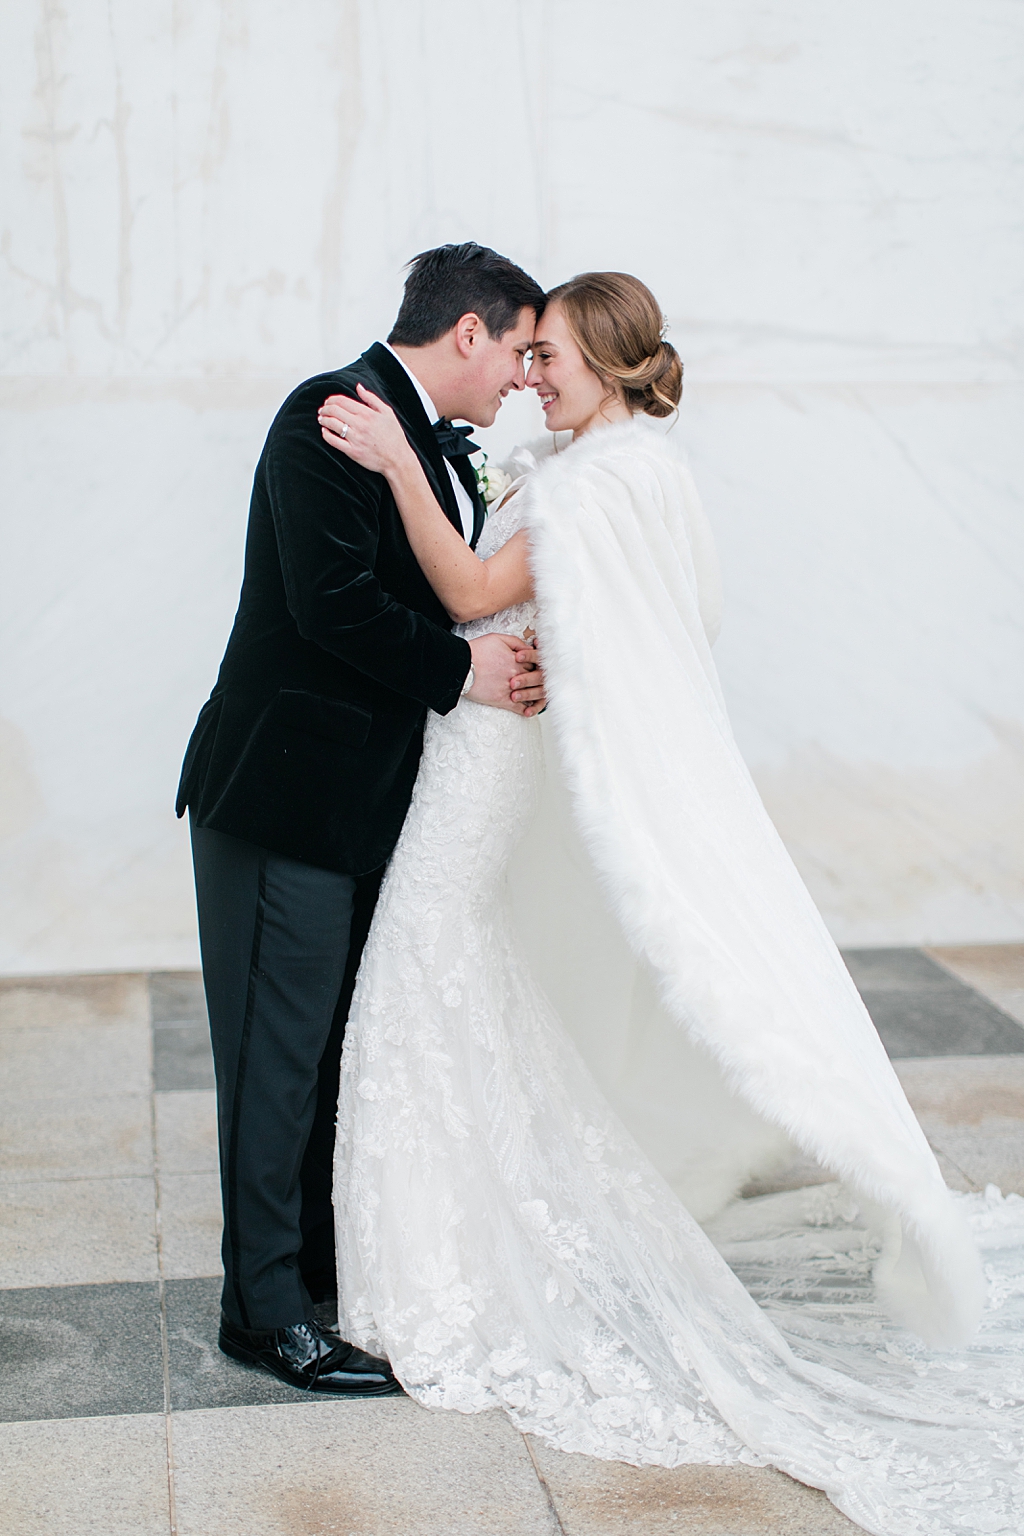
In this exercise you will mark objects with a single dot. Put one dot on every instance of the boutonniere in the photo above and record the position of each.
(491, 482)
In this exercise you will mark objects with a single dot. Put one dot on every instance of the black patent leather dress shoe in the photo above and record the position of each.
(310, 1357)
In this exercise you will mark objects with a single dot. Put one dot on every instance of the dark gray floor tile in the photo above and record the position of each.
(937, 1024)
(921, 1010)
(182, 1057)
(896, 970)
(201, 1377)
(80, 1351)
(177, 997)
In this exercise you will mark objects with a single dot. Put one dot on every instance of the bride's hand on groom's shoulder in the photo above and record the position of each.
(366, 430)
(507, 675)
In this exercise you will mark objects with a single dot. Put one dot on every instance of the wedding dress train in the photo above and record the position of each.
(508, 1242)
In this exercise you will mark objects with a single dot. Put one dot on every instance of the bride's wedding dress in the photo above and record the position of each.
(504, 1238)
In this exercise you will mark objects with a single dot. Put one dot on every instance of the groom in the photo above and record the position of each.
(300, 770)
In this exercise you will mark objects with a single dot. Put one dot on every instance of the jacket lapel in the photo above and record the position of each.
(467, 474)
(398, 392)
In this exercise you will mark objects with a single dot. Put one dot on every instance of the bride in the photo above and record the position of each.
(597, 999)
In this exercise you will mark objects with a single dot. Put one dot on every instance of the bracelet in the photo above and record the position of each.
(470, 680)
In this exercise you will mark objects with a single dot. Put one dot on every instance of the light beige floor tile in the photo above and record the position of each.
(994, 970)
(190, 1225)
(963, 1090)
(73, 1061)
(607, 1498)
(798, 1174)
(186, 1131)
(60, 1001)
(972, 1111)
(99, 1137)
(85, 1477)
(77, 1231)
(73, 1036)
(364, 1468)
(992, 1154)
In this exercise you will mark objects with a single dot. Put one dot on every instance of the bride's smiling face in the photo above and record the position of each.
(572, 396)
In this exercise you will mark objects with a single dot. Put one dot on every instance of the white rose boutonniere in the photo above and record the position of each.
(492, 482)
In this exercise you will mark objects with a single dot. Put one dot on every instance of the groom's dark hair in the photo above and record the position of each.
(455, 280)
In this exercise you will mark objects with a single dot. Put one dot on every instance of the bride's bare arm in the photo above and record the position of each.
(469, 588)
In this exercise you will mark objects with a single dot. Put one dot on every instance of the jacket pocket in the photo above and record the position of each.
(330, 719)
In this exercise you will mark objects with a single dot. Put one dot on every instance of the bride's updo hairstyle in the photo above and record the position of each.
(615, 321)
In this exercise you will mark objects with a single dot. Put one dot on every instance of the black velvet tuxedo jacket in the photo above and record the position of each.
(310, 741)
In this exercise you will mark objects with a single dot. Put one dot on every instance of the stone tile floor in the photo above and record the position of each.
(118, 1415)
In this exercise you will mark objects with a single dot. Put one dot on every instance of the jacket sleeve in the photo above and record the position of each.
(326, 518)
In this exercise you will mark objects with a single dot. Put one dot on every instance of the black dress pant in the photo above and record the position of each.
(281, 942)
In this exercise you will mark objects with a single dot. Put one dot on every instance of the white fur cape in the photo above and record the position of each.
(729, 1029)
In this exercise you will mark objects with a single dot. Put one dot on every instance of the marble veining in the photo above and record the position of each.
(204, 204)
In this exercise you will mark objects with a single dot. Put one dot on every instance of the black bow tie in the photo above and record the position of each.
(454, 441)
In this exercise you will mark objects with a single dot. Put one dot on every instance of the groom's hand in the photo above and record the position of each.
(503, 667)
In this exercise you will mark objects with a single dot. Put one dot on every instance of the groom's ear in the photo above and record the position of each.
(468, 331)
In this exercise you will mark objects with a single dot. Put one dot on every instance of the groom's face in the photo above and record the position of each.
(494, 365)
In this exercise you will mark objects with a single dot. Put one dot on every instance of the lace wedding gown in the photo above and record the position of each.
(504, 1241)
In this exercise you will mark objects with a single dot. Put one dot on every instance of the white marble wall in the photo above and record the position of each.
(203, 203)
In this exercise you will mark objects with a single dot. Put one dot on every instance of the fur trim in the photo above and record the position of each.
(693, 868)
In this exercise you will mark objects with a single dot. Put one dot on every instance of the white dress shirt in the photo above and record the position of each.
(462, 497)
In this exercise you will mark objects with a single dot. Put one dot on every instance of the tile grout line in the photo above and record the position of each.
(936, 1146)
(987, 994)
(165, 1354)
(545, 1485)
